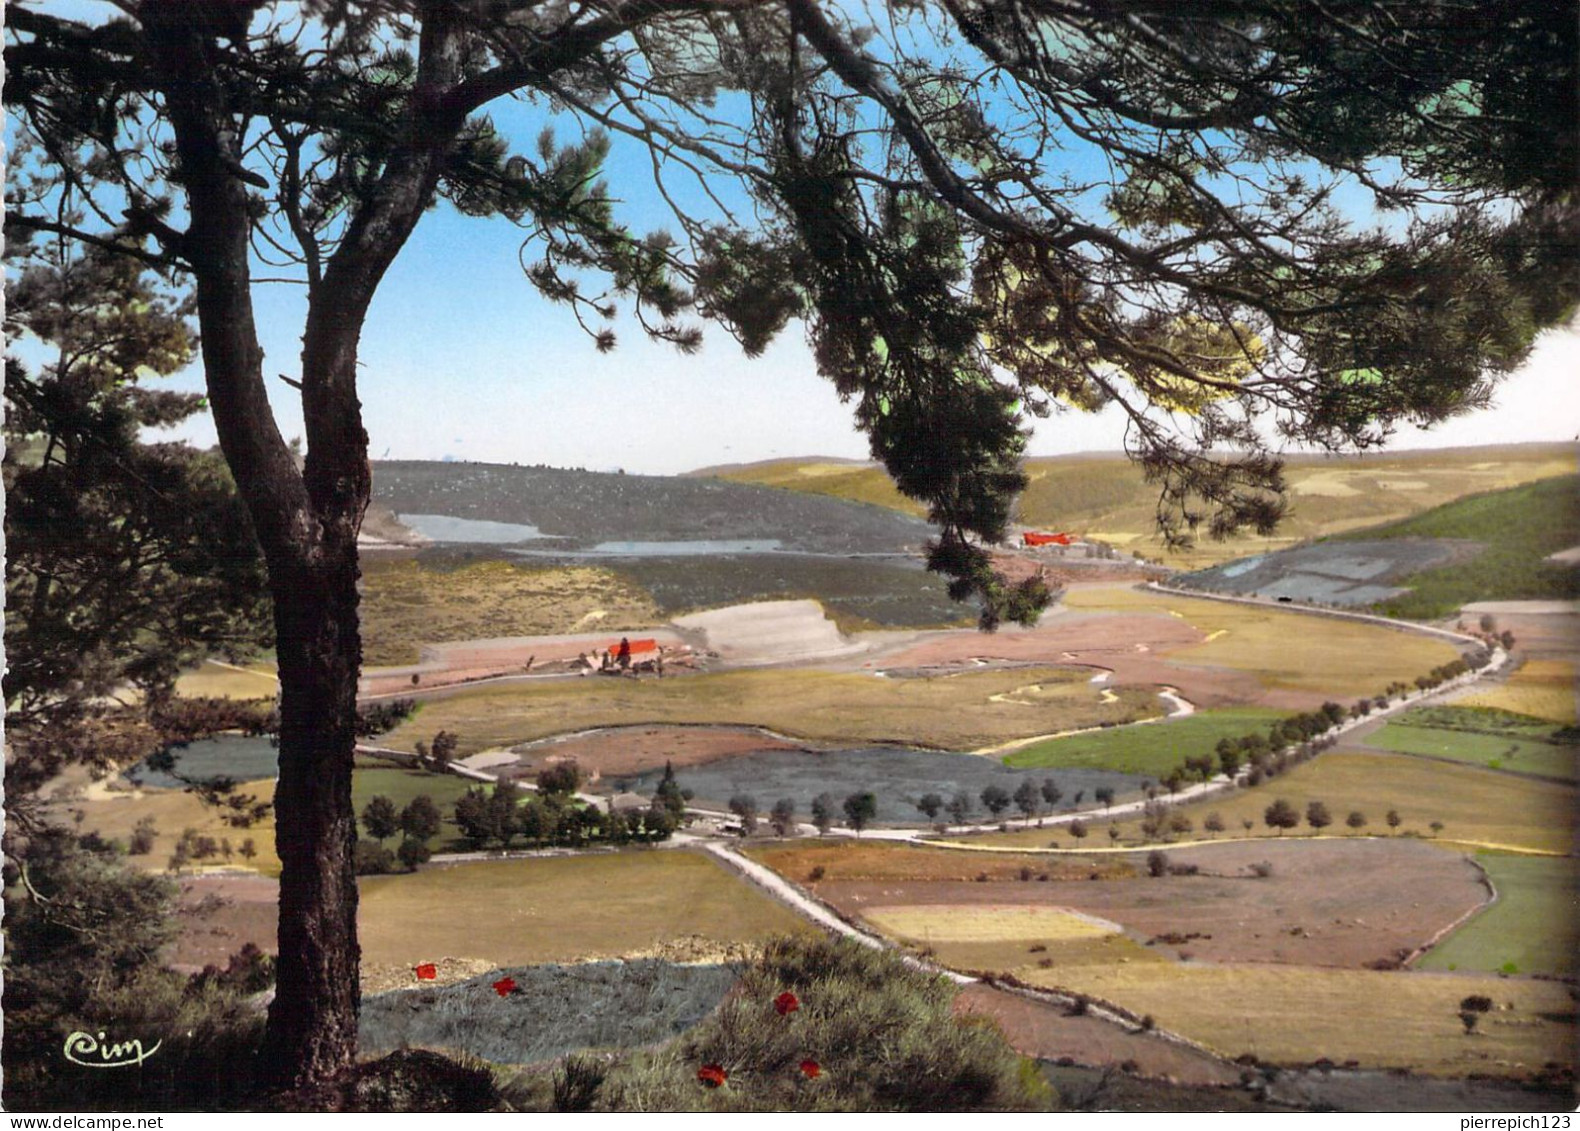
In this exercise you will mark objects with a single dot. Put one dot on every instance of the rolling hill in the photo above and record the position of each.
(1103, 495)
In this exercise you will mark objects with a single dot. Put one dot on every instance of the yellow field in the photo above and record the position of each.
(955, 712)
(1476, 806)
(405, 605)
(557, 909)
(1288, 650)
(114, 815)
(1392, 1019)
(1544, 689)
(1002, 939)
(223, 681)
(973, 923)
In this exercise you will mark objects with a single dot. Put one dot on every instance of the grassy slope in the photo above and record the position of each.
(1532, 925)
(1152, 750)
(563, 908)
(949, 713)
(1105, 496)
(1519, 528)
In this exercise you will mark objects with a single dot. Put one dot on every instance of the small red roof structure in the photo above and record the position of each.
(1036, 538)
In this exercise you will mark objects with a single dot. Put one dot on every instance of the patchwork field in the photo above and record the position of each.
(1319, 656)
(953, 712)
(1533, 928)
(407, 603)
(1544, 689)
(1151, 750)
(1327, 903)
(557, 909)
(1295, 1015)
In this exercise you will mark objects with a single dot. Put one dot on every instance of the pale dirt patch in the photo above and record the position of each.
(1328, 486)
(1403, 484)
(1570, 556)
(381, 977)
(968, 923)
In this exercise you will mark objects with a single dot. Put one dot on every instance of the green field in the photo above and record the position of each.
(1105, 496)
(374, 779)
(1493, 751)
(561, 909)
(1151, 750)
(1519, 528)
(1533, 928)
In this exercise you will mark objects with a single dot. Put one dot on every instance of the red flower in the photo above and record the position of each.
(505, 987)
(785, 1003)
(811, 1069)
(427, 971)
(712, 1075)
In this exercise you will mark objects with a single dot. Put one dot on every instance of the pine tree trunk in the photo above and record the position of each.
(312, 1026)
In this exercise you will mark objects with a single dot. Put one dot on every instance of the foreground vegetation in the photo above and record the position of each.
(954, 712)
(818, 1025)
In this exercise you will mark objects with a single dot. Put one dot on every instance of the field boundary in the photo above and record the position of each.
(1492, 897)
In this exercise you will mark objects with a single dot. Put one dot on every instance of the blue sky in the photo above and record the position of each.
(461, 359)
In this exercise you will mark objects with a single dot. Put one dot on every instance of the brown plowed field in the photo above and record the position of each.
(1325, 904)
(618, 751)
(242, 909)
(1048, 1032)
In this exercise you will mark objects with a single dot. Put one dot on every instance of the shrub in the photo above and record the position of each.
(1262, 869)
(816, 874)
(576, 1082)
(412, 853)
(1157, 863)
(143, 838)
(373, 859)
(885, 1034)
